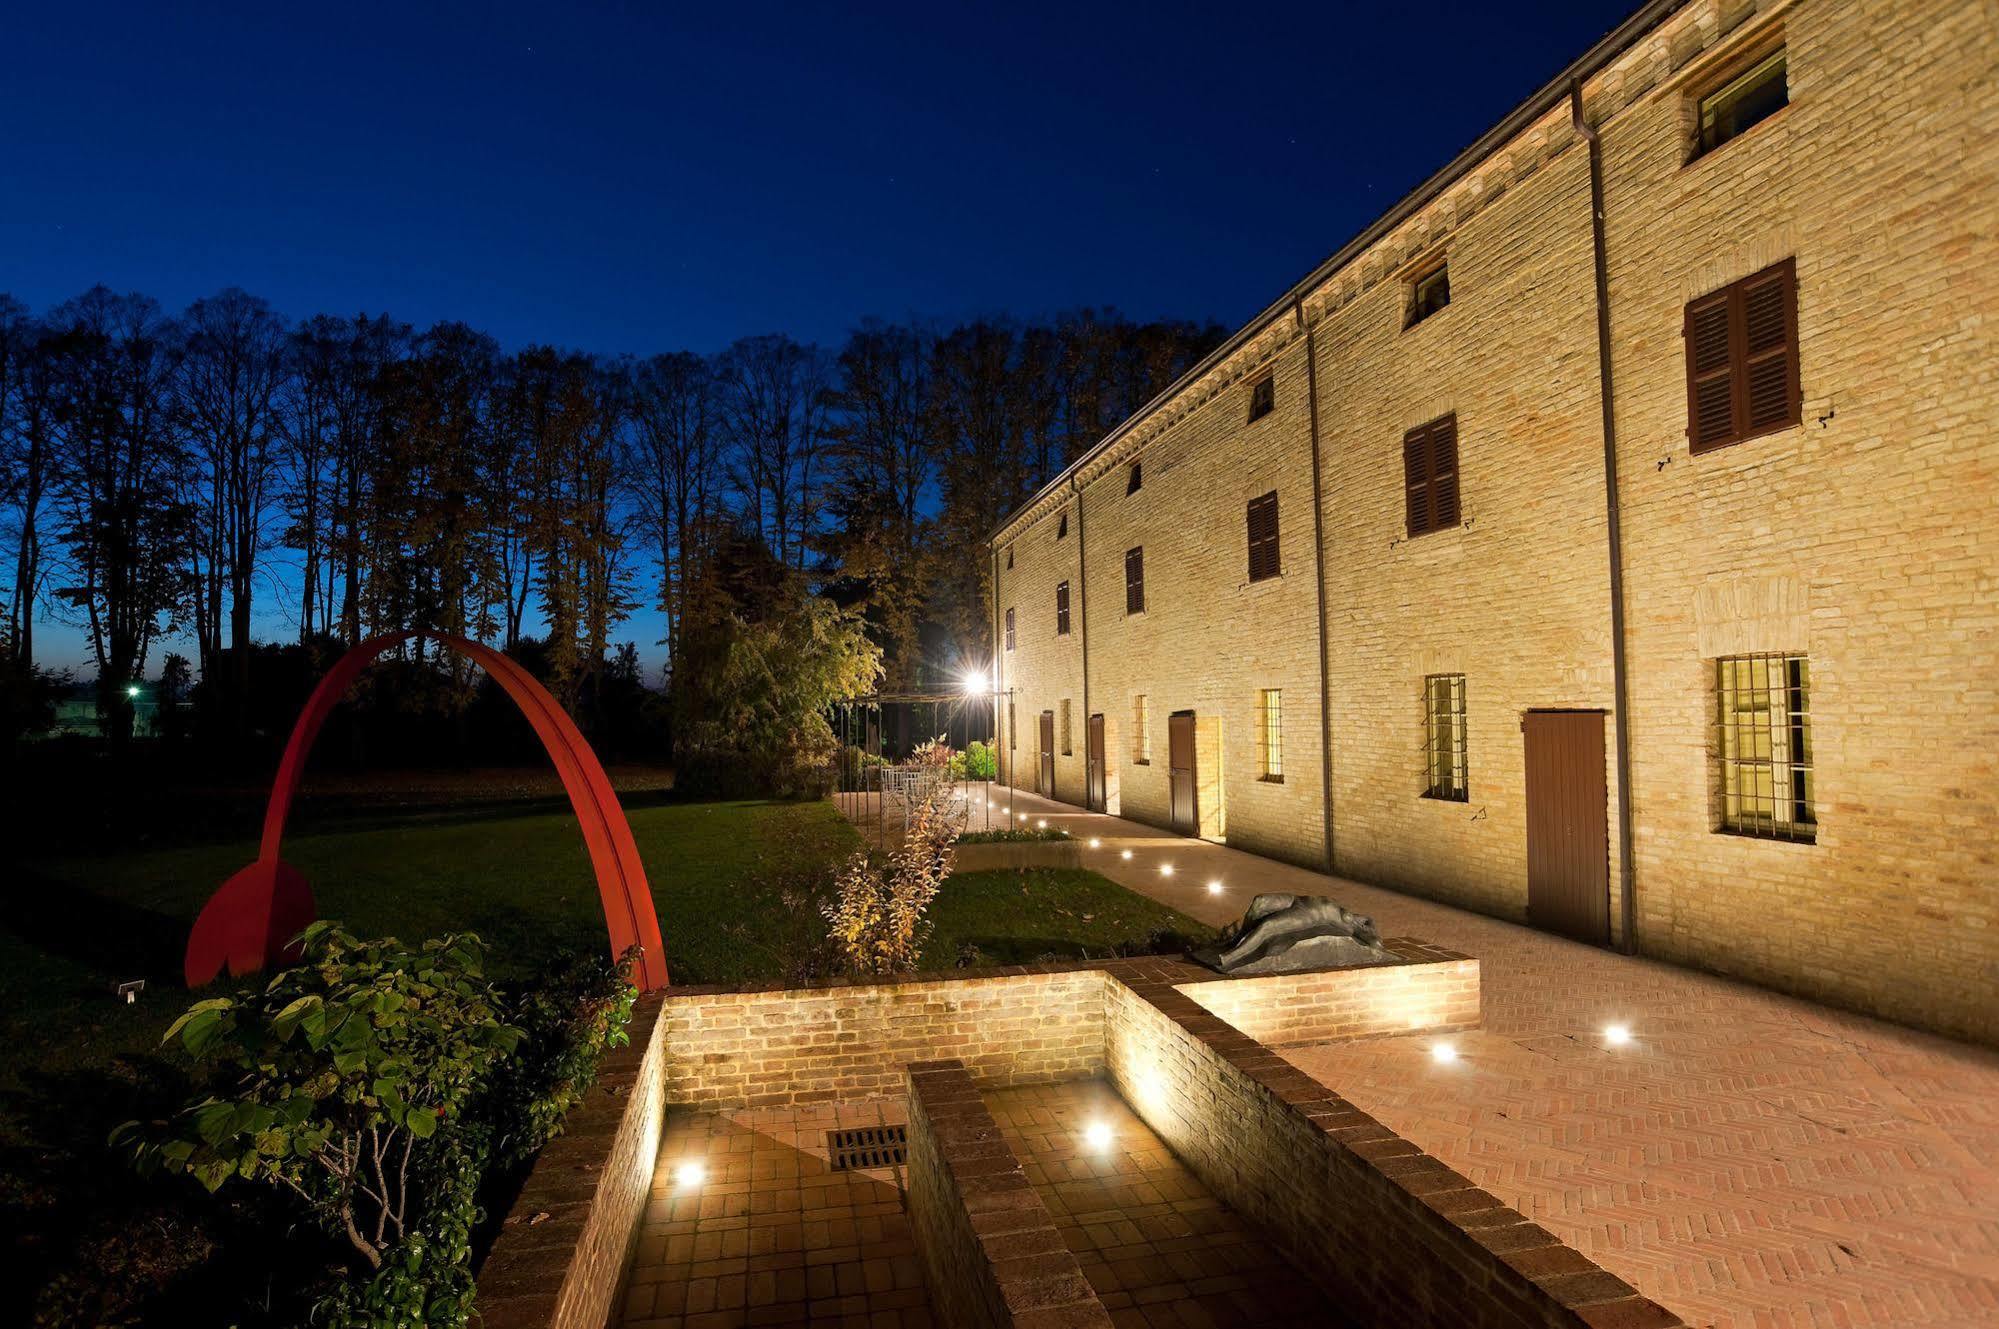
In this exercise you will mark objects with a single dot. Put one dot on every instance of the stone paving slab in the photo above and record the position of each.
(1748, 1159)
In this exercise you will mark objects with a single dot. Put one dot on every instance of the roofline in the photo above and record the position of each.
(1556, 90)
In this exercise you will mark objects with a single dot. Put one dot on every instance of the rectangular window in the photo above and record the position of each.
(1134, 581)
(1264, 562)
(1135, 481)
(1068, 749)
(1430, 476)
(1763, 710)
(1444, 738)
(1009, 629)
(1429, 291)
(1742, 103)
(1263, 397)
(1062, 610)
(1009, 558)
(1742, 359)
(1270, 734)
(1141, 732)
(1062, 525)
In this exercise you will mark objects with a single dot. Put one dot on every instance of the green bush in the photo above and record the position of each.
(981, 762)
(1013, 837)
(387, 1090)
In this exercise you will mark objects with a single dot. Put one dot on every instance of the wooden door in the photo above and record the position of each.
(1186, 817)
(1045, 786)
(1568, 825)
(1095, 798)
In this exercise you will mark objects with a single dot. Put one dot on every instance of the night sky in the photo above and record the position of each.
(643, 178)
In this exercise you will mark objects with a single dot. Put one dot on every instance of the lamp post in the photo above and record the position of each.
(981, 683)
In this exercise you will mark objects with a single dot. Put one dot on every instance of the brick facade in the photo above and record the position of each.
(1863, 538)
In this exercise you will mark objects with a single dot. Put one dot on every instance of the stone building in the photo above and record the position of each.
(1607, 538)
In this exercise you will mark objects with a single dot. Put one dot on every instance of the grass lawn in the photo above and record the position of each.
(731, 881)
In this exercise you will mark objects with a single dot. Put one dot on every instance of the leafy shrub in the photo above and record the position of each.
(981, 761)
(1013, 837)
(877, 912)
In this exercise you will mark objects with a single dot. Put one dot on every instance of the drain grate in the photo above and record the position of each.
(868, 1147)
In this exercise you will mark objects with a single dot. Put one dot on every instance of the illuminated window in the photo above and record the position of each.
(1270, 734)
(1444, 737)
(1742, 103)
(1141, 732)
(1763, 712)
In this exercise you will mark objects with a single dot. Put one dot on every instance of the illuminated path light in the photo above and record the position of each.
(1126, 855)
(1098, 1135)
(1214, 888)
(1095, 843)
(689, 1175)
(1617, 1035)
(1443, 1053)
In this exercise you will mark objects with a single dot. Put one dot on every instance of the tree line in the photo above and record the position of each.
(170, 478)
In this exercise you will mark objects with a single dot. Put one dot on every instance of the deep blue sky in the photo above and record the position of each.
(638, 178)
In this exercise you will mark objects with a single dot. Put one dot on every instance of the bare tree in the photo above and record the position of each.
(668, 470)
(773, 411)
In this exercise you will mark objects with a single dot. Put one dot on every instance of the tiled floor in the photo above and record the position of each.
(1747, 1159)
(1158, 1249)
(767, 1233)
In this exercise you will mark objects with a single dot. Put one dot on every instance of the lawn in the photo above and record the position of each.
(732, 882)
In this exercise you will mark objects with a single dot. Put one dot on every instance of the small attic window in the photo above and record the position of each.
(1262, 397)
(1009, 558)
(1429, 291)
(1062, 526)
(1135, 481)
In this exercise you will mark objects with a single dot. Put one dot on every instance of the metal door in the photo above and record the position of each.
(1568, 825)
(1095, 798)
(1046, 785)
(1180, 771)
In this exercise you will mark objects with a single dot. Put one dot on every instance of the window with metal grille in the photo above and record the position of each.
(1742, 359)
(1062, 610)
(1141, 732)
(1742, 103)
(1009, 629)
(1763, 711)
(1429, 291)
(1135, 481)
(1062, 524)
(1430, 476)
(1134, 581)
(1270, 734)
(1444, 738)
(1262, 397)
(1264, 562)
(1068, 748)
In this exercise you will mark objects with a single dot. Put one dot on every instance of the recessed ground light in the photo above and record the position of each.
(1165, 869)
(1126, 855)
(1443, 1052)
(1214, 888)
(1617, 1035)
(689, 1175)
(1023, 816)
(1042, 824)
(1098, 1135)
(1095, 843)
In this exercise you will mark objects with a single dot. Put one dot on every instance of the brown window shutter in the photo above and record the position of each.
(1444, 473)
(1134, 581)
(1416, 479)
(1742, 359)
(1264, 560)
(1062, 609)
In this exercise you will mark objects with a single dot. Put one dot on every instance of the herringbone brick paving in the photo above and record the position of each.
(1748, 1159)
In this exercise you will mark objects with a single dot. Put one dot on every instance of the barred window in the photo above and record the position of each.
(1270, 734)
(1763, 711)
(1141, 732)
(1444, 737)
(1009, 629)
(1068, 747)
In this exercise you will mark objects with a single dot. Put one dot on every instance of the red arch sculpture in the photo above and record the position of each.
(249, 922)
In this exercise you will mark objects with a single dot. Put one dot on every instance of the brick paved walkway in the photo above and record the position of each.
(1156, 1247)
(768, 1233)
(1747, 1159)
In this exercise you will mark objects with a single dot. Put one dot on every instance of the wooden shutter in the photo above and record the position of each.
(1062, 609)
(1134, 581)
(1430, 476)
(1263, 557)
(1742, 359)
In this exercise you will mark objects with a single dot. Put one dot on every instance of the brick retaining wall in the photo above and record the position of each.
(1431, 988)
(991, 1252)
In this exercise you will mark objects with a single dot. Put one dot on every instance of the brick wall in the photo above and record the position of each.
(1432, 988)
(1364, 1213)
(559, 1261)
(782, 1046)
(991, 1253)
(1865, 537)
